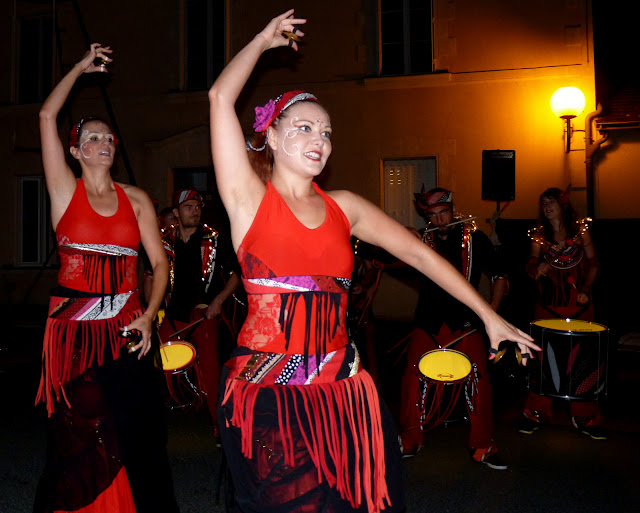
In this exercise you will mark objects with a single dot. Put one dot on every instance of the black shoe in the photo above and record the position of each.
(494, 461)
(488, 458)
(408, 452)
(595, 431)
(528, 425)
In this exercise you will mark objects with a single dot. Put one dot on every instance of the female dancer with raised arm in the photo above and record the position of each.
(302, 425)
(106, 446)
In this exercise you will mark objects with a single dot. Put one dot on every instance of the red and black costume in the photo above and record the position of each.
(198, 270)
(557, 299)
(301, 422)
(439, 319)
(98, 396)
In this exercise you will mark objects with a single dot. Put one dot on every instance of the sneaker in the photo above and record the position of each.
(595, 431)
(410, 452)
(527, 425)
(489, 457)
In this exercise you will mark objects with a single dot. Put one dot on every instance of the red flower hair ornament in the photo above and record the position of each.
(273, 108)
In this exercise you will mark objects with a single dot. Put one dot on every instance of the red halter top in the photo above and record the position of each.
(98, 254)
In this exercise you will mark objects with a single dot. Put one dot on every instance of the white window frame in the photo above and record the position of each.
(401, 179)
(41, 231)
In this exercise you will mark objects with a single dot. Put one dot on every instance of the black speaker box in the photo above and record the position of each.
(498, 175)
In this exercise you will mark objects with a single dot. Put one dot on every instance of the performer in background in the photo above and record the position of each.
(440, 318)
(203, 271)
(564, 264)
(107, 440)
(301, 422)
(166, 219)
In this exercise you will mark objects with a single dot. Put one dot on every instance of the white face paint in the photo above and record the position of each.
(291, 148)
(84, 150)
(304, 138)
(92, 142)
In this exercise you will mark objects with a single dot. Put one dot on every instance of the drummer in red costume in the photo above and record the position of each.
(106, 446)
(439, 319)
(203, 274)
(301, 422)
(565, 266)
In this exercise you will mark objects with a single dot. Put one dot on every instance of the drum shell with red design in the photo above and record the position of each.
(574, 359)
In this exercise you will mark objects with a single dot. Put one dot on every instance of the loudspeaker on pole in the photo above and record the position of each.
(498, 175)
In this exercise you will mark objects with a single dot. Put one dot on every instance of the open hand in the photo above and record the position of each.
(498, 330)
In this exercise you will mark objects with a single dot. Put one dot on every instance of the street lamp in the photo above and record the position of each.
(567, 103)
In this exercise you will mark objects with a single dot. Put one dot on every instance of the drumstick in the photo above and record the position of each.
(460, 337)
(187, 327)
(450, 224)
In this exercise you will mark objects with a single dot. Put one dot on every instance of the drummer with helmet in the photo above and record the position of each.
(440, 319)
(203, 274)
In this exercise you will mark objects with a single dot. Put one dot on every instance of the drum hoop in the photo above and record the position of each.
(446, 382)
(178, 370)
(570, 332)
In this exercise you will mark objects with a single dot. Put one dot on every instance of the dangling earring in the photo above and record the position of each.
(249, 146)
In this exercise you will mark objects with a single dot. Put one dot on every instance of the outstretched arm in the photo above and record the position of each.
(241, 190)
(371, 224)
(61, 182)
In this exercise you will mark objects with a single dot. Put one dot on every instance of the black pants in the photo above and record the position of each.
(133, 392)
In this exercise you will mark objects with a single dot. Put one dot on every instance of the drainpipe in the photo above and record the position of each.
(590, 149)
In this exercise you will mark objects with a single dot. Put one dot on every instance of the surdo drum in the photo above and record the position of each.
(574, 359)
(445, 374)
(180, 366)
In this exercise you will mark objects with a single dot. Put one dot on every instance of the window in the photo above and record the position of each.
(405, 46)
(33, 222)
(403, 178)
(204, 42)
(35, 59)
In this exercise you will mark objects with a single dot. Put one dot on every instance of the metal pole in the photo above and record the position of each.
(590, 149)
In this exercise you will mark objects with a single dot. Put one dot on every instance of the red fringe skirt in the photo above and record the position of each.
(308, 437)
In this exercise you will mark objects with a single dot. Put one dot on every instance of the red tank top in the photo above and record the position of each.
(98, 253)
(296, 279)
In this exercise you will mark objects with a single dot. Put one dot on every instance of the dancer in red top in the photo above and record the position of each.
(301, 422)
(106, 446)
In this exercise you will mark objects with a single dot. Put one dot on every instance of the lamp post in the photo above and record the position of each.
(567, 103)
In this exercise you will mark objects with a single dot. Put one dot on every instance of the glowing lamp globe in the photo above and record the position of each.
(567, 102)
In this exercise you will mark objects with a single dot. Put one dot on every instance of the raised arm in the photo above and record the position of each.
(61, 182)
(371, 224)
(241, 190)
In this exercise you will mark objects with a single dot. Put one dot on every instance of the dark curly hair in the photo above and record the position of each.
(569, 216)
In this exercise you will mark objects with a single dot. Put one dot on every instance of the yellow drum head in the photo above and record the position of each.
(572, 325)
(176, 355)
(444, 365)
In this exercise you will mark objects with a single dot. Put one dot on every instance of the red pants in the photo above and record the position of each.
(205, 339)
(481, 419)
